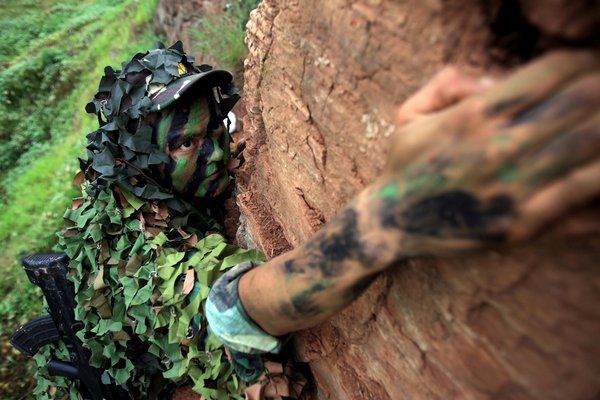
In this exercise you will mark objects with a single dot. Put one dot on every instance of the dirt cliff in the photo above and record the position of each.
(322, 82)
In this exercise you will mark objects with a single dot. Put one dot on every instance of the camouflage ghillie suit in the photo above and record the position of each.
(143, 258)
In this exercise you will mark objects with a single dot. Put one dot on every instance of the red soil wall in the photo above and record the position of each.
(322, 83)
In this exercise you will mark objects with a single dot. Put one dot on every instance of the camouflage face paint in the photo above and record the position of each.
(197, 144)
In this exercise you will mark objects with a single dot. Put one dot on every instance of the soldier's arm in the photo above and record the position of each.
(490, 170)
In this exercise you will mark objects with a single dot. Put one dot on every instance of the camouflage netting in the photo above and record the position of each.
(142, 259)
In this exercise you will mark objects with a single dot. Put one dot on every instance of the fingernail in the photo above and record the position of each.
(486, 82)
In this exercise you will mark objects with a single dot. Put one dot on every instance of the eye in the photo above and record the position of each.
(188, 144)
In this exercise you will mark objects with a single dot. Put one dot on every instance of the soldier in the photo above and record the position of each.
(148, 266)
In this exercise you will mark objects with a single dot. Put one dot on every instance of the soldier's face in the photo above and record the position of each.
(197, 146)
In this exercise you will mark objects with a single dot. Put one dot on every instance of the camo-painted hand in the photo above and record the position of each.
(197, 145)
(489, 170)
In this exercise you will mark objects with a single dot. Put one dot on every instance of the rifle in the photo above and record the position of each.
(49, 272)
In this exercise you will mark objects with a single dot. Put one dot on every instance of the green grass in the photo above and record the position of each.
(51, 59)
(221, 36)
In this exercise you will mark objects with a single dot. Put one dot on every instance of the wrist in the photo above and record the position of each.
(380, 243)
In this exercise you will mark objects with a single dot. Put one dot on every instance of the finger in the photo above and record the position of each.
(554, 201)
(446, 88)
(579, 146)
(579, 97)
(545, 126)
(538, 80)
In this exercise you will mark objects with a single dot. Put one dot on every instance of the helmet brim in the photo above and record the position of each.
(175, 90)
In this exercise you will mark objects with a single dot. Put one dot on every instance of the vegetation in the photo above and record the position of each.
(51, 56)
(221, 36)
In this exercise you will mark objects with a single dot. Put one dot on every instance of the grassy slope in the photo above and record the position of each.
(52, 53)
(87, 35)
(221, 36)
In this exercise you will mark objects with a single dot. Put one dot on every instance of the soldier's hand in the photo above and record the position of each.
(501, 163)
(446, 88)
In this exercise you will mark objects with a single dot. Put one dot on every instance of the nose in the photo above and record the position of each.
(217, 154)
(217, 136)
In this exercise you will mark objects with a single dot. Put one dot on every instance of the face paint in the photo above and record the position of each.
(197, 145)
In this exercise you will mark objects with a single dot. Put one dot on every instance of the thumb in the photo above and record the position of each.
(447, 87)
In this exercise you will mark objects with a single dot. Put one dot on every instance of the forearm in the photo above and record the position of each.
(399, 217)
(307, 285)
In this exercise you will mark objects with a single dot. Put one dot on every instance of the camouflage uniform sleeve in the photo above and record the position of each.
(231, 324)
